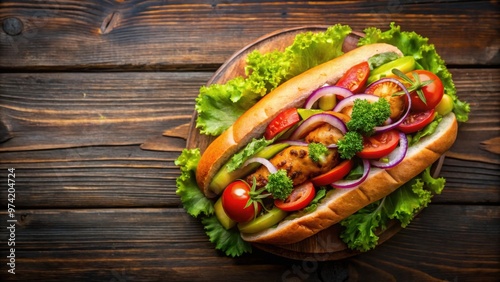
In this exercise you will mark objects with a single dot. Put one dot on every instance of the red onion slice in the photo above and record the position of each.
(346, 184)
(349, 101)
(400, 120)
(396, 156)
(325, 90)
(315, 120)
(263, 161)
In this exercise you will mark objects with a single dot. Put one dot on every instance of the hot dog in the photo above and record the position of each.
(381, 175)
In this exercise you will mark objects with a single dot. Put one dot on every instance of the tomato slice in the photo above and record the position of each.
(337, 173)
(355, 78)
(300, 197)
(282, 122)
(416, 121)
(379, 145)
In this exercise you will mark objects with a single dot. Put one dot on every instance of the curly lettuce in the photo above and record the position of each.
(193, 200)
(361, 228)
(198, 206)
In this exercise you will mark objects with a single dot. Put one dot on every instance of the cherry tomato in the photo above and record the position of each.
(379, 145)
(416, 121)
(355, 78)
(337, 173)
(433, 92)
(234, 199)
(283, 121)
(300, 197)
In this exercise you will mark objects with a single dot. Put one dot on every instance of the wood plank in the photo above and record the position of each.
(61, 110)
(146, 244)
(70, 34)
(120, 176)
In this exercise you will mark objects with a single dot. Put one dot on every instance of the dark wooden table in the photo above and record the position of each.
(88, 89)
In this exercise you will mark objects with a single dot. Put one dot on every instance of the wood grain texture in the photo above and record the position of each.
(145, 244)
(70, 34)
(47, 111)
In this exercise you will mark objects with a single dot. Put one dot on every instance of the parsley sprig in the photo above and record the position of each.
(364, 118)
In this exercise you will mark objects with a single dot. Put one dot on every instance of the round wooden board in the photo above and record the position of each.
(325, 245)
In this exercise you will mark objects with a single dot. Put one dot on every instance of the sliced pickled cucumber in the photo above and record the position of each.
(221, 215)
(306, 113)
(262, 222)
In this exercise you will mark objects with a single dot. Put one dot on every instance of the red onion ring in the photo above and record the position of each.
(313, 121)
(349, 101)
(400, 120)
(396, 156)
(346, 184)
(325, 90)
(263, 161)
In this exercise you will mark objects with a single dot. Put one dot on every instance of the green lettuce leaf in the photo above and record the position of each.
(361, 228)
(198, 206)
(411, 43)
(228, 241)
(219, 106)
(193, 200)
(311, 49)
(359, 233)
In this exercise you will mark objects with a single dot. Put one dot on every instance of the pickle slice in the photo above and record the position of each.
(306, 113)
(221, 215)
(264, 221)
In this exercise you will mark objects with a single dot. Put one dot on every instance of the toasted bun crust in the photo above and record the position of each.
(341, 203)
(293, 93)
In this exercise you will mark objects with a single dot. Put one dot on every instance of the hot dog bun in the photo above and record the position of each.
(292, 93)
(341, 203)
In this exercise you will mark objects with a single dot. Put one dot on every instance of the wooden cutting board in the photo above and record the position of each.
(325, 245)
